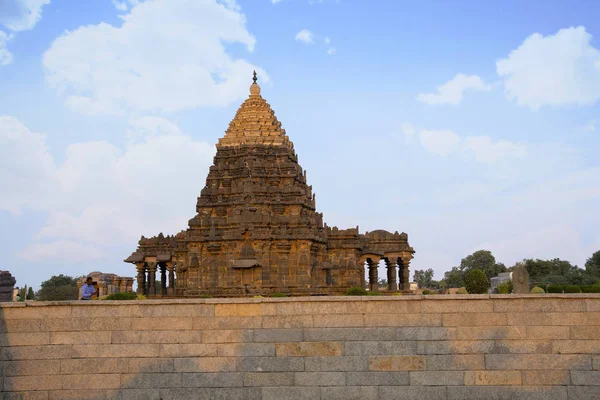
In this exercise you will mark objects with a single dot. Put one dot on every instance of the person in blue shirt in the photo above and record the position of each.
(87, 290)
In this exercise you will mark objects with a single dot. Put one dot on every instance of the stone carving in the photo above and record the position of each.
(520, 279)
(257, 230)
(7, 286)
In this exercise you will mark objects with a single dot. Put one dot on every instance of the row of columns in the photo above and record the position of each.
(146, 278)
(403, 274)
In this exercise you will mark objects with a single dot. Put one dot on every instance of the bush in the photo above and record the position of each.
(554, 288)
(476, 282)
(426, 291)
(141, 297)
(462, 290)
(537, 290)
(369, 293)
(572, 289)
(278, 294)
(121, 296)
(356, 291)
(397, 294)
(504, 288)
(591, 288)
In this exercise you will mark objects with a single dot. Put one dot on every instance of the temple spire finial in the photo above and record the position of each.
(254, 78)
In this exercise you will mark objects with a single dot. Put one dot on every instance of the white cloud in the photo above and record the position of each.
(487, 151)
(440, 142)
(331, 51)
(590, 126)
(326, 40)
(100, 195)
(554, 70)
(452, 91)
(275, 1)
(150, 62)
(5, 55)
(304, 36)
(66, 250)
(21, 15)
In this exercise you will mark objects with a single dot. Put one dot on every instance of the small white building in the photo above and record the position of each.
(497, 280)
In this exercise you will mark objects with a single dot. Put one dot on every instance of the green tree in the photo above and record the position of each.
(556, 271)
(476, 282)
(424, 278)
(483, 260)
(30, 294)
(455, 278)
(592, 265)
(58, 287)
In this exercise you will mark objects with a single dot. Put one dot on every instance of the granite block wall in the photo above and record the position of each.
(406, 347)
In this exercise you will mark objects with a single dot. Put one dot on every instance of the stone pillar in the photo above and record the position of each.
(163, 279)
(391, 274)
(141, 278)
(152, 279)
(404, 274)
(373, 276)
(7, 286)
(171, 269)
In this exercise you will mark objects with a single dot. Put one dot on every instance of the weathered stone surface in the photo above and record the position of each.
(520, 279)
(263, 379)
(437, 378)
(320, 379)
(347, 363)
(350, 393)
(272, 364)
(379, 378)
(545, 377)
(507, 393)
(291, 393)
(535, 361)
(309, 349)
(413, 392)
(455, 362)
(392, 348)
(493, 378)
(396, 363)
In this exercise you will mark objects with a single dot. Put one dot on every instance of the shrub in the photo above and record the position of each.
(141, 297)
(369, 293)
(476, 282)
(462, 290)
(356, 291)
(554, 288)
(572, 289)
(278, 294)
(504, 288)
(121, 296)
(426, 291)
(595, 288)
(397, 294)
(537, 290)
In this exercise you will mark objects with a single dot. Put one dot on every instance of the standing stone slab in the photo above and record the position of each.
(520, 279)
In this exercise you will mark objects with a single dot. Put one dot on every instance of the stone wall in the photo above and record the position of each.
(410, 347)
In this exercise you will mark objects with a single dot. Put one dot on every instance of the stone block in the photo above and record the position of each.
(246, 350)
(585, 378)
(167, 324)
(540, 305)
(188, 350)
(413, 392)
(212, 380)
(321, 307)
(537, 361)
(31, 367)
(490, 332)
(507, 393)
(583, 332)
(202, 323)
(93, 381)
(436, 378)
(583, 392)
(37, 312)
(291, 393)
(272, 364)
(320, 378)
(396, 363)
(287, 321)
(103, 337)
(93, 366)
(148, 365)
(336, 364)
(49, 352)
(455, 346)
(545, 377)
(228, 393)
(164, 337)
(393, 320)
(37, 395)
(20, 325)
(493, 378)
(263, 379)
(150, 380)
(32, 382)
(377, 378)
(337, 321)
(175, 310)
(24, 339)
(350, 393)
(523, 346)
(309, 349)
(431, 306)
(547, 332)
(394, 306)
(244, 310)
(388, 348)
(277, 335)
(425, 333)
(227, 336)
(349, 334)
(133, 394)
(596, 363)
(115, 350)
(576, 346)
(85, 324)
(474, 319)
(206, 364)
(455, 362)
(77, 394)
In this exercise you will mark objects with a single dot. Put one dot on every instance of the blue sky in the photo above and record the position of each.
(466, 124)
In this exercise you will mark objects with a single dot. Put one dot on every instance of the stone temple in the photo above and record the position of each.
(256, 230)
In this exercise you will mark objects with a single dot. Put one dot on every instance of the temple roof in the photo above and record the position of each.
(255, 123)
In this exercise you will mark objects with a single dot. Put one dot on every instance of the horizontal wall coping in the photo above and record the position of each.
(306, 299)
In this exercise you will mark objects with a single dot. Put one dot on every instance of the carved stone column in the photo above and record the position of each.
(391, 274)
(152, 279)
(163, 279)
(141, 278)
(404, 274)
(171, 269)
(373, 276)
